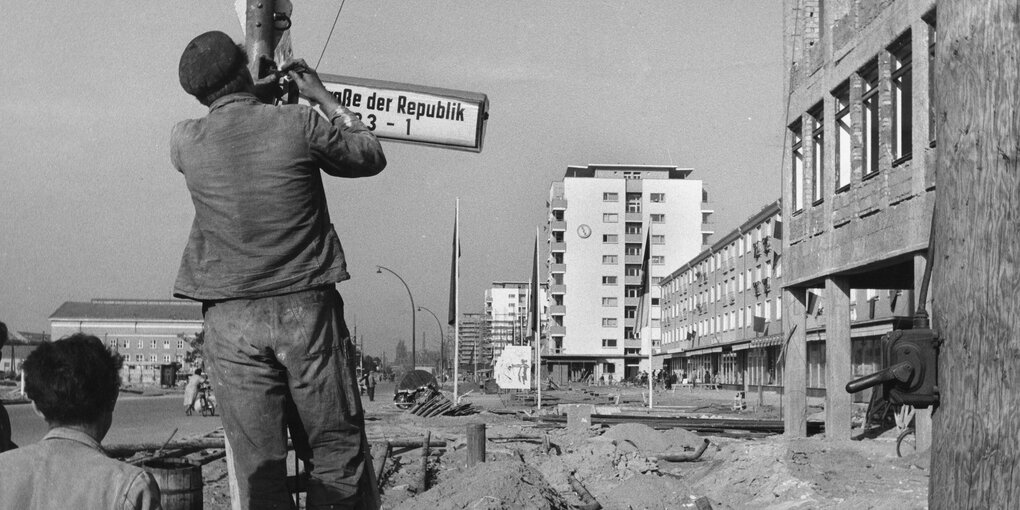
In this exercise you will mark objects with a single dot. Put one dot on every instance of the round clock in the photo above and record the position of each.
(584, 231)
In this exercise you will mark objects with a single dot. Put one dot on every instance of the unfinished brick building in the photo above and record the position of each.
(858, 176)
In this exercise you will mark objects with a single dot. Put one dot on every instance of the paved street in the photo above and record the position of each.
(136, 419)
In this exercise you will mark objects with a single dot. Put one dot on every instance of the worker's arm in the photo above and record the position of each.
(343, 146)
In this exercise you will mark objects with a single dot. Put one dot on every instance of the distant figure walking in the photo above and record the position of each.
(370, 381)
(73, 383)
(191, 391)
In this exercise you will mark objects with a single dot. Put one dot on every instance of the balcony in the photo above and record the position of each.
(632, 343)
(765, 285)
(557, 268)
(557, 310)
(633, 238)
(558, 246)
(557, 330)
(557, 288)
(558, 225)
(632, 280)
(558, 203)
(757, 288)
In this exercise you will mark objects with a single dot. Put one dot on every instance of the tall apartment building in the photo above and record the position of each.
(858, 186)
(473, 351)
(149, 333)
(721, 310)
(599, 217)
(507, 314)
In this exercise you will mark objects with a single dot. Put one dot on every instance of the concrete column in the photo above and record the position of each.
(795, 361)
(922, 417)
(838, 402)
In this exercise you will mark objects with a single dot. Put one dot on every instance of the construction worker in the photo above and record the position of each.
(264, 260)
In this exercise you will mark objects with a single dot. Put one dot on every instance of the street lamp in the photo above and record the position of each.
(414, 359)
(442, 349)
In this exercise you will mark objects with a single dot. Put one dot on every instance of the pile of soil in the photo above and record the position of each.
(507, 484)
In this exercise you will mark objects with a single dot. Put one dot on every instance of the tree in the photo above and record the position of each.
(976, 272)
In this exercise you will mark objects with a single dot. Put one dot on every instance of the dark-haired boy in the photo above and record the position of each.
(73, 384)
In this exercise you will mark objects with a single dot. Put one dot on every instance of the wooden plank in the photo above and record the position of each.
(976, 240)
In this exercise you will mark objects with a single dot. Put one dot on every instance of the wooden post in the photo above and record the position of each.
(794, 398)
(258, 33)
(975, 461)
(838, 403)
(475, 443)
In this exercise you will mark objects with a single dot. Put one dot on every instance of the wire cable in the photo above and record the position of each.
(330, 36)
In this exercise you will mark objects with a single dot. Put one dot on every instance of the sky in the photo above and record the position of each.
(92, 207)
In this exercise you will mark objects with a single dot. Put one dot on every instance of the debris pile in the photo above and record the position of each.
(430, 402)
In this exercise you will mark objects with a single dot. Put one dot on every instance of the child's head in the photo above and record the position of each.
(73, 381)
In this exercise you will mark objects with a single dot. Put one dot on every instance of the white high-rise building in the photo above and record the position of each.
(599, 216)
(507, 314)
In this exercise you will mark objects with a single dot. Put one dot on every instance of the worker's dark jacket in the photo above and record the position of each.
(261, 224)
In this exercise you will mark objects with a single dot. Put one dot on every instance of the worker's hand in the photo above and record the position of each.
(309, 85)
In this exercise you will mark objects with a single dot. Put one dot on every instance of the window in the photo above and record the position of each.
(610, 238)
(166, 359)
(632, 228)
(166, 344)
(798, 169)
(610, 197)
(869, 119)
(902, 84)
(153, 358)
(659, 239)
(632, 291)
(817, 154)
(633, 202)
(608, 343)
(658, 218)
(657, 198)
(844, 143)
(127, 343)
(632, 249)
(180, 344)
(630, 312)
(610, 218)
(657, 260)
(609, 322)
(139, 357)
(608, 280)
(655, 301)
(610, 301)
(610, 259)
(152, 344)
(632, 175)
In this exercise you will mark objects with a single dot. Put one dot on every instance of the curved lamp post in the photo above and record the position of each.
(414, 359)
(442, 350)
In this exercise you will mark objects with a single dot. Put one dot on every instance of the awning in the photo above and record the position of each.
(741, 347)
(768, 341)
(704, 350)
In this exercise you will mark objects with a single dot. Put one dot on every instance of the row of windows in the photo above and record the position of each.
(153, 344)
(755, 241)
(729, 321)
(867, 145)
(655, 260)
(615, 239)
(615, 218)
(612, 196)
(152, 358)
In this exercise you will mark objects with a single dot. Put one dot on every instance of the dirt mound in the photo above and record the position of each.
(650, 441)
(496, 485)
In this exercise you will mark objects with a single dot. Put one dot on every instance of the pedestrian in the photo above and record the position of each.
(5, 421)
(264, 259)
(370, 382)
(191, 391)
(73, 383)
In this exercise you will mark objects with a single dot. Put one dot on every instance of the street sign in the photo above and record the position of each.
(401, 112)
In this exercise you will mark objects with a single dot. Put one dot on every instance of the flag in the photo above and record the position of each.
(812, 303)
(643, 313)
(533, 301)
(454, 267)
(759, 324)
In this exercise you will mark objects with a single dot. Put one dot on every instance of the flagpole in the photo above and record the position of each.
(456, 302)
(538, 326)
(648, 306)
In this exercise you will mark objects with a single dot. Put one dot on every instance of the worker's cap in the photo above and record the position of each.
(209, 62)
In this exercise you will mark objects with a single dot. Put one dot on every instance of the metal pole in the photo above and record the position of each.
(414, 359)
(259, 33)
(442, 349)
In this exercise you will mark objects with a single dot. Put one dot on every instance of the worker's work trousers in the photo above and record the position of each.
(287, 361)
